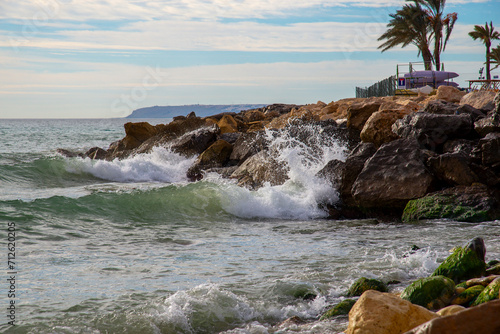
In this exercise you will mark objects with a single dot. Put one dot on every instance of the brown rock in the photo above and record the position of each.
(358, 113)
(383, 313)
(482, 319)
(453, 168)
(254, 116)
(378, 128)
(449, 93)
(140, 131)
(259, 169)
(330, 108)
(449, 310)
(216, 155)
(228, 124)
(478, 99)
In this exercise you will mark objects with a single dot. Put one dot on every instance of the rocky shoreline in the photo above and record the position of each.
(409, 158)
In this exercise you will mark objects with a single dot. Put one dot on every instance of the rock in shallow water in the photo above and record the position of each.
(364, 284)
(432, 293)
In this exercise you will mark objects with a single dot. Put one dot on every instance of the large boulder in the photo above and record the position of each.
(383, 313)
(432, 293)
(487, 125)
(259, 169)
(353, 166)
(195, 142)
(478, 99)
(490, 149)
(473, 203)
(227, 124)
(247, 145)
(394, 175)
(449, 94)
(482, 319)
(140, 130)
(441, 107)
(453, 168)
(358, 113)
(378, 128)
(464, 263)
(432, 130)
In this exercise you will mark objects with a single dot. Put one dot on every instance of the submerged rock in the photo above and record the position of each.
(364, 284)
(463, 264)
(383, 313)
(432, 293)
(341, 308)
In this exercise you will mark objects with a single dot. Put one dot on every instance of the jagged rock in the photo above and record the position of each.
(468, 295)
(449, 94)
(432, 130)
(487, 125)
(247, 145)
(227, 124)
(462, 146)
(449, 310)
(378, 128)
(195, 142)
(332, 172)
(478, 246)
(441, 107)
(490, 149)
(364, 284)
(474, 203)
(432, 293)
(259, 169)
(453, 168)
(68, 154)
(302, 114)
(230, 137)
(392, 176)
(140, 130)
(353, 166)
(216, 155)
(254, 115)
(383, 313)
(463, 264)
(491, 292)
(476, 114)
(341, 308)
(478, 99)
(482, 319)
(96, 153)
(358, 113)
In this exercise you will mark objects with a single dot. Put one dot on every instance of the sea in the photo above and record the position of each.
(131, 246)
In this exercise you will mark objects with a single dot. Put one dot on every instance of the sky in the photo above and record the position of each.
(105, 58)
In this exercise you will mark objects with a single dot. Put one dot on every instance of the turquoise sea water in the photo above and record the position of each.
(132, 247)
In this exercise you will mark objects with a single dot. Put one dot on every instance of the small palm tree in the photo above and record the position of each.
(438, 21)
(408, 26)
(487, 34)
(495, 57)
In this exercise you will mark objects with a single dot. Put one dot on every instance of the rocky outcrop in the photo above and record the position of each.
(383, 313)
(394, 175)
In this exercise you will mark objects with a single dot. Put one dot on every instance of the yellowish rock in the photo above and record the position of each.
(227, 124)
(449, 310)
(383, 313)
(378, 128)
(478, 99)
(450, 94)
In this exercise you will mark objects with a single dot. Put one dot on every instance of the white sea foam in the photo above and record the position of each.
(161, 165)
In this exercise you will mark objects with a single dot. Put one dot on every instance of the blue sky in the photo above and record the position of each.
(105, 58)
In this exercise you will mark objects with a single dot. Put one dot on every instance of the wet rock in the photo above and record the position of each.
(483, 319)
(478, 99)
(358, 113)
(140, 130)
(432, 293)
(394, 175)
(383, 313)
(353, 166)
(477, 245)
(216, 155)
(195, 142)
(453, 168)
(463, 264)
(247, 145)
(364, 284)
(96, 153)
(292, 321)
(474, 203)
(259, 169)
(449, 94)
(68, 154)
(431, 130)
(491, 292)
(441, 107)
(332, 172)
(230, 137)
(468, 295)
(341, 308)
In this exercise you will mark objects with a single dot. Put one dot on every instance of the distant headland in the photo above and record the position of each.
(200, 110)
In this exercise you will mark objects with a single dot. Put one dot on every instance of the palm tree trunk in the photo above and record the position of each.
(427, 55)
(488, 74)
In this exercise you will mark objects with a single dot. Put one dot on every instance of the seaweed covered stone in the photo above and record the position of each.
(468, 296)
(364, 284)
(464, 263)
(433, 292)
(341, 308)
(491, 292)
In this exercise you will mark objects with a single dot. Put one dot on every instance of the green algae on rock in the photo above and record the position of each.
(464, 263)
(491, 292)
(433, 292)
(468, 296)
(364, 284)
(341, 308)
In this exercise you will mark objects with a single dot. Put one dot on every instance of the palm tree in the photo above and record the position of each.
(438, 21)
(487, 34)
(495, 57)
(408, 26)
